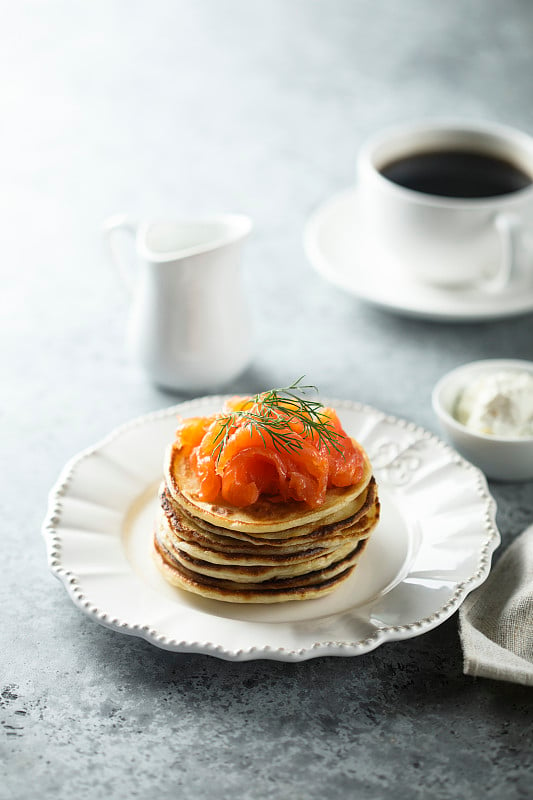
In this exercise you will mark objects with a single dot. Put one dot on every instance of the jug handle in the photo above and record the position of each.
(116, 223)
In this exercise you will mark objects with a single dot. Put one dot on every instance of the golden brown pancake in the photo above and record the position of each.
(250, 568)
(268, 552)
(263, 516)
(306, 587)
(197, 530)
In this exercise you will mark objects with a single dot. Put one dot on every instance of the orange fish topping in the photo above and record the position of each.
(252, 449)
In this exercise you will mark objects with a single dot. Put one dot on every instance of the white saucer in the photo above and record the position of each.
(334, 248)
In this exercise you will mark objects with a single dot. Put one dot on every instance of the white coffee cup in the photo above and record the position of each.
(443, 240)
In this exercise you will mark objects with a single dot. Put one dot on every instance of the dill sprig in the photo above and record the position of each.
(274, 411)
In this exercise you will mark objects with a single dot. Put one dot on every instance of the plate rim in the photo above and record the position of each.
(69, 579)
(323, 266)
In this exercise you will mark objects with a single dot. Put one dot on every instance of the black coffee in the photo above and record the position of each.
(456, 173)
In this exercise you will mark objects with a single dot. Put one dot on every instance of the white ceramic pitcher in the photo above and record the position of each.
(188, 325)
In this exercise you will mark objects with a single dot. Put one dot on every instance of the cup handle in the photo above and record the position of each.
(114, 224)
(507, 226)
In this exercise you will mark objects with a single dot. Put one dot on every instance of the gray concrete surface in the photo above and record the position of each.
(258, 107)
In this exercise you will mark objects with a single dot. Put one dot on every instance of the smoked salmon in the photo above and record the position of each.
(281, 452)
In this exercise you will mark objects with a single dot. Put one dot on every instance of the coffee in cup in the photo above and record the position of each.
(448, 203)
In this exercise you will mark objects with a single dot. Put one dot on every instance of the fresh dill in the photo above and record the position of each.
(270, 415)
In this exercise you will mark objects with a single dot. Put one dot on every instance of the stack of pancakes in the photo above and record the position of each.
(265, 553)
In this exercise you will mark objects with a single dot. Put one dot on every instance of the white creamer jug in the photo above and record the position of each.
(188, 326)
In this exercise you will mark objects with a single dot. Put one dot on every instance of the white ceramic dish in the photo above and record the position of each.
(432, 546)
(335, 248)
(500, 458)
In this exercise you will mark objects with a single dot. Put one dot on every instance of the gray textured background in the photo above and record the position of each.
(258, 107)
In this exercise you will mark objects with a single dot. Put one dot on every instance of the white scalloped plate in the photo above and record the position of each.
(432, 546)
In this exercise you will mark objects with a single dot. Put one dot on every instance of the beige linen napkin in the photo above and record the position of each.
(496, 620)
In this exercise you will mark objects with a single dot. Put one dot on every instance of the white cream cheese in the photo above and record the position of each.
(498, 403)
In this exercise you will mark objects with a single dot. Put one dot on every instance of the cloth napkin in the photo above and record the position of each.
(496, 620)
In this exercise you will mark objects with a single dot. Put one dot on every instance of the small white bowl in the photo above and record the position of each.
(500, 458)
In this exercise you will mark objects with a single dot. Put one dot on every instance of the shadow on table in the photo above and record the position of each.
(423, 673)
(402, 716)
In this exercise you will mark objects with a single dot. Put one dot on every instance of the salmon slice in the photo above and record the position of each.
(239, 457)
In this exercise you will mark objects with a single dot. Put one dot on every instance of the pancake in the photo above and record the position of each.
(198, 531)
(259, 573)
(220, 566)
(264, 516)
(269, 551)
(307, 587)
(249, 567)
